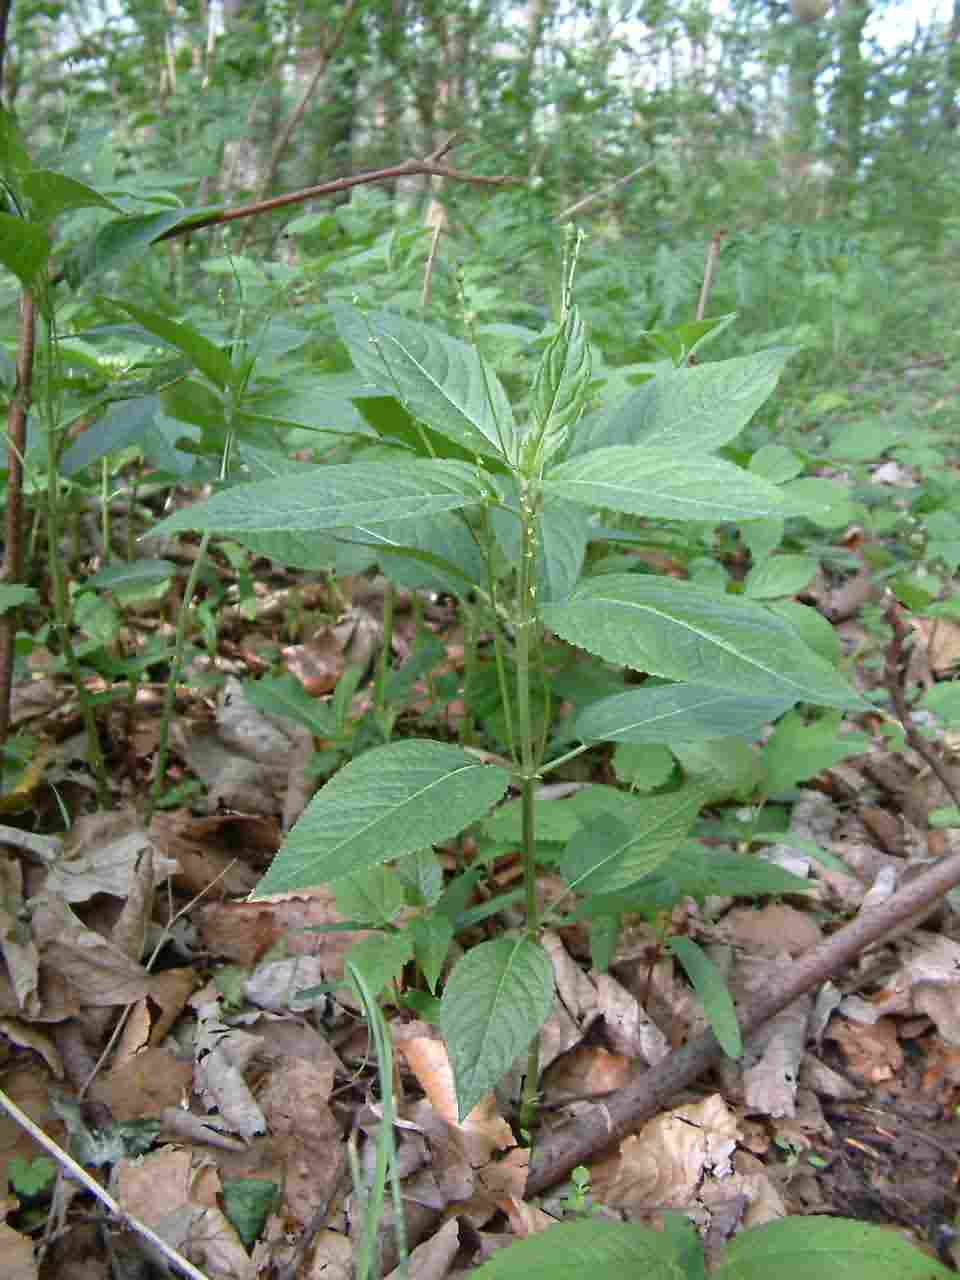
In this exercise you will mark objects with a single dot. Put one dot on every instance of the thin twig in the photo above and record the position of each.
(79, 1174)
(594, 196)
(895, 675)
(713, 255)
(429, 165)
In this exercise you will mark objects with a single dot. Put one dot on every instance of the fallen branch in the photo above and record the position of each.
(624, 1111)
(79, 1174)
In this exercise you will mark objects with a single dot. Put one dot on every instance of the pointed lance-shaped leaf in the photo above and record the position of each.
(684, 632)
(439, 379)
(694, 408)
(558, 393)
(658, 484)
(388, 802)
(495, 1001)
(355, 494)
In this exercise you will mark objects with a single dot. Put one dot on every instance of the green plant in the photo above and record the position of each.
(797, 1248)
(455, 483)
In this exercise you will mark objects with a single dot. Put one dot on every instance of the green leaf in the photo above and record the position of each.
(696, 871)
(446, 556)
(126, 422)
(381, 958)
(598, 1249)
(799, 749)
(14, 157)
(943, 700)
(496, 1000)
(822, 501)
(558, 393)
(655, 483)
(677, 713)
(387, 802)
(432, 935)
(812, 628)
(372, 896)
(334, 497)
(714, 994)
(439, 379)
(51, 193)
(865, 441)
(809, 1248)
(606, 853)
(138, 573)
(248, 1202)
(683, 632)
(691, 409)
(123, 239)
(206, 355)
(564, 531)
(24, 248)
(29, 1179)
(285, 696)
(779, 576)
(644, 766)
(422, 875)
(305, 550)
(776, 463)
(13, 595)
(726, 768)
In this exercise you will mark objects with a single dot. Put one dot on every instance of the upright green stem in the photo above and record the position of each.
(383, 666)
(173, 679)
(105, 520)
(527, 639)
(58, 581)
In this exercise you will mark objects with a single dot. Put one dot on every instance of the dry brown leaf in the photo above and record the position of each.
(433, 1259)
(942, 639)
(129, 933)
(452, 1170)
(664, 1165)
(286, 1037)
(223, 1054)
(216, 848)
(319, 663)
(144, 1084)
(277, 984)
(769, 1069)
(245, 931)
(484, 1129)
(16, 1252)
(95, 970)
(587, 1071)
(28, 1037)
(331, 1258)
(29, 1087)
(772, 929)
(526, 1219)
(872, 1052)
(295, 1103)
(20, 955)
(177, 1199)
(628, 1029)
(232, 780)
(100, 856)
